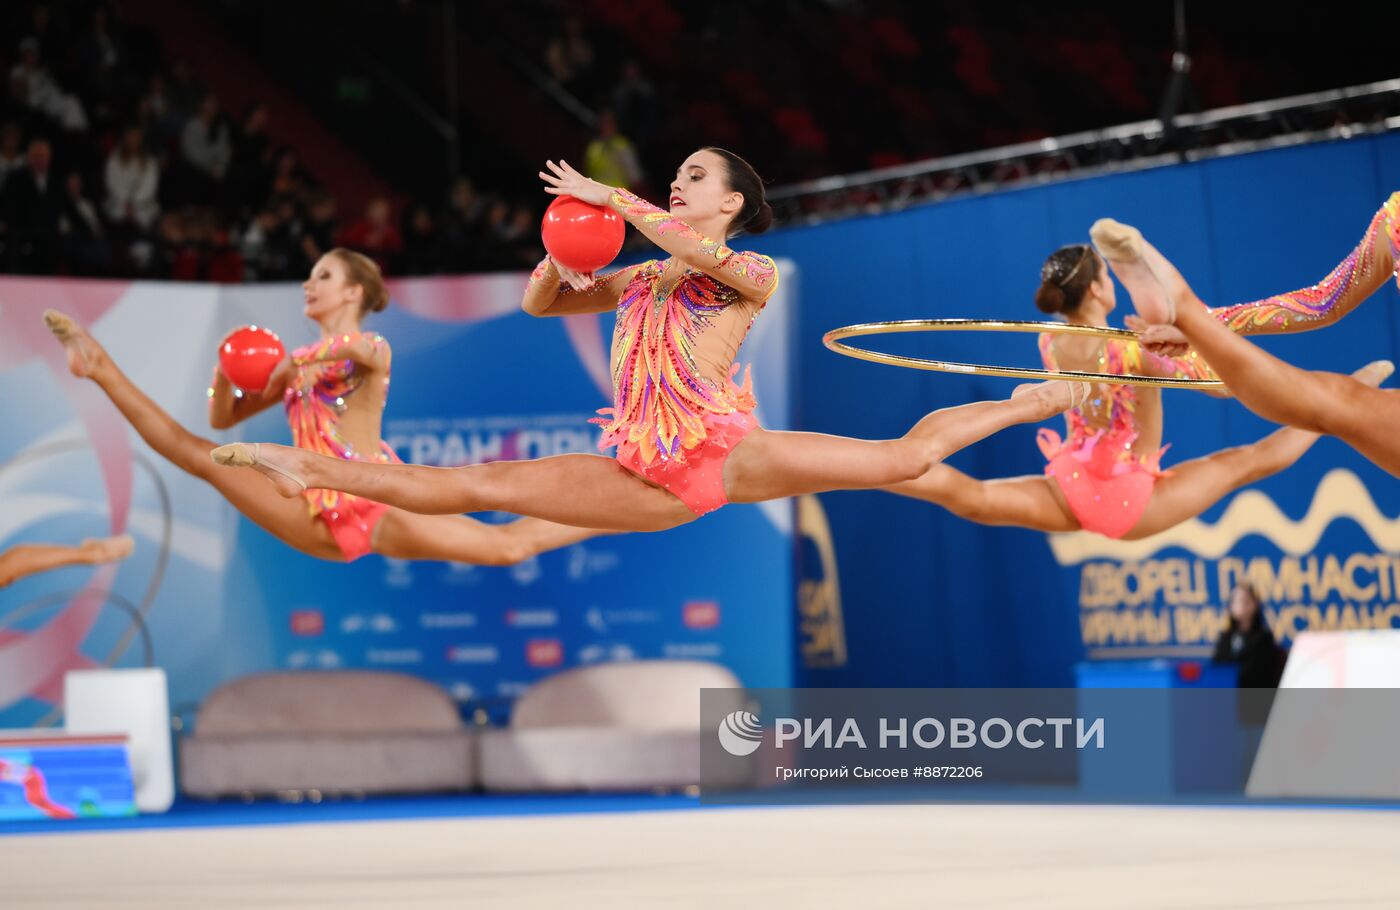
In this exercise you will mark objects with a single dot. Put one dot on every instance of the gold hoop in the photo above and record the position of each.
(833, 340)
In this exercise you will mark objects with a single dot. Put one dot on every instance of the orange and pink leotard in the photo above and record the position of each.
(677, 412)
(1106, 483)
(318, 395)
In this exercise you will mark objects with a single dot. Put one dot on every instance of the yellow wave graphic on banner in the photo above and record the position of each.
(1340, 494)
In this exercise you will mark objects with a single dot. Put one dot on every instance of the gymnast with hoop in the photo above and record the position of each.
(1106, 476)
(687, 442)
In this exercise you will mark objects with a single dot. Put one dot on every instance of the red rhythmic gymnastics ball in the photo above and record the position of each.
(249, 355)
(581, 236)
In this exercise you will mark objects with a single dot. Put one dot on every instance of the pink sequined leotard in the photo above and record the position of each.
(677, 412)
(316, 400)
(1374, 261)
(1105, 481)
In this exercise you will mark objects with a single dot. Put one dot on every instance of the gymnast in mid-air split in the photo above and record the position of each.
(334, 391)
(1106, 476)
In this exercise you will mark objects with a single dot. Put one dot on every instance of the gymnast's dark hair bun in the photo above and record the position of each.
(1050, 298)
(761, 221)
(1065, 278)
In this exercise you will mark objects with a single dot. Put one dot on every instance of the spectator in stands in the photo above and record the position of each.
(289, 213)
(100, 56)
(288, 178)
(251, 170)
(195, 254)
(11, 151)
(80, 226)
(32, 85)
(208, 148)
(1248, 642)
(198, 247)
(50, 41)
(422, 243)
(183, 91)
(495, 226)
(521, 225)
(464, 204)
(569, 55)
(158, 114)
(318, 235)
(509, 236)
(31, 205)
(375, 234)
(610, 158)
(133, 179)
(522, 238)
(163, 256)
(224, 263)
(634, 100)
(461, 224)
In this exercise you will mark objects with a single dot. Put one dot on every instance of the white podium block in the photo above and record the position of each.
(1344, 660)
(1334, 728)
(134, 702)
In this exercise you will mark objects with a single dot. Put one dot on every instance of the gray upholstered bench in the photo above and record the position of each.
(623, 726)
(329, 731)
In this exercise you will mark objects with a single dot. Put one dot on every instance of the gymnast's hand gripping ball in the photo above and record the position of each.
(249, 355)
(581, 236)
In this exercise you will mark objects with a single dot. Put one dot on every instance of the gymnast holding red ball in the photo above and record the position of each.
(334, 391)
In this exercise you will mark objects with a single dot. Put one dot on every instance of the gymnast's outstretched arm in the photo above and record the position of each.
(751, 274)
(1357, 277)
